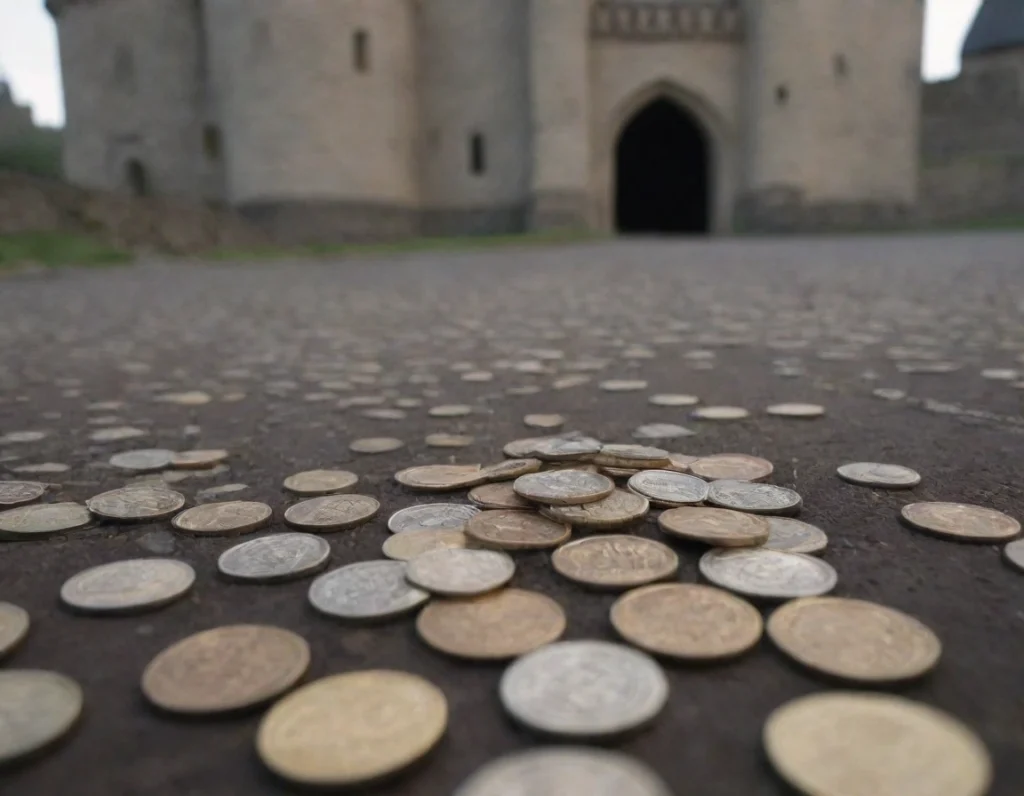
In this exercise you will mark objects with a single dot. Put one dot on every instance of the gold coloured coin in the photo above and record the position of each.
(961, 521)
(14, 624)
(316, 483)
(407, 545)
(687, 621)
(732, 466)
(619, 509)
(231, 518)
(332, 512)
(798, 410)
(441, 477)
(199, 459)
(615, 562)
(855, 640)
(499, 495)
(680, 462)
(544, 421)
(720, 413)
(352, 728)
(448, 440)
(375, 445)
(516, 530)
(717, 527)
(497, 626)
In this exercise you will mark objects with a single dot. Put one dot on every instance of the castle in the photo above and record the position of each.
(353, 119)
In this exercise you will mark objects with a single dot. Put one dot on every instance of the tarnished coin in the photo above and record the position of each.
(14, 624)
(854, 639)
(137, 503)
(858, 744)
(442, 477)
(880, 476)
(623, 385)
(732, 467)
(320, 482)
(959, 521)
(42, 520)
(448, 440)
(680, 462)
(619, 509)
(432, 517)
(673, 399)
(505, 624)
(274, 558)
(560, 449)
(687, 621)
(332, 512)
(375, 445)
(615, 562)
(544, 421)
(18, 493)
(450, 410)
(366, 590)
(407, 545)
(138, 584)
(799, 410)
(226, 669)
(143, 461)
(36, 709)
(662, 431)
(352, 728)
(638, 456)
(199, 459)
(793, 536)
(497, 496)
(224, 519)
(584, 689)
(564, 771)
(510, 469)
(1014, 553)
(564, 487)
(455, 572)
(720, 413)
(754, 498)
(718, 527)
(505, 529)
(669, 488)
(768, 574)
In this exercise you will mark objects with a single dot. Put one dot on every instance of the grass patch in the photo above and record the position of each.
(55, 248)
(995, 223)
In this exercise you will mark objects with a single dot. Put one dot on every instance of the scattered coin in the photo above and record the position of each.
(432, 517)
(673, 399)
(619, 509)
(679, 462)
(1014, 553)
(720, 413)
(961, 521)
(231, 518)
(320, 482)
(584, 689)
(375, 445)
(559, 449)
(768, 574)
(567, 382)
(407, 545)
(198, 459)
(854, 639)
(639, 456)
(456, 572)
(662, 431)
(143, 461)
(880, 476)
(18, 493)
(137, 503)
(840, 743)
(275, 558)
(669, 488)
(564, 487)
(332, 512)
(623, 385)
(366, 590)
(217, 492)
(497, 496)
(793, 536)
(1000, 374)
(441, 477)
(516, 530)
(226, 669)
(41, 469)
(687, 621)
(448, 440)
(732, 467)
(510, 469)
(717, 527)
(524, 448)
(352, 728)
(16, 437)
(450, 410)
(41, 520)
(37, 708)
(191, 398)
(615, 562)
(14, 624)
(129, 586)
(796, 410)
(116, 434)
(754, 498)
(544, 421)
(383, 413)
(505, 624)
(889, 393)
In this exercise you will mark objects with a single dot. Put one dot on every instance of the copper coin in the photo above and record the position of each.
(717, 527)
(516, 530)
(619, 509)
(497, 496)
(332, 512)
(442, 477)
(734, 466)
(231, 518)
(961, 521)
(407, 545)
(615, 562)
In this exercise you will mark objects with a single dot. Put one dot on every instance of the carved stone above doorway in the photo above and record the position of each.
(660, 20)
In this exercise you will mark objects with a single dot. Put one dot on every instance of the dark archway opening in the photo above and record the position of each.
(138, 180)
(663, 172)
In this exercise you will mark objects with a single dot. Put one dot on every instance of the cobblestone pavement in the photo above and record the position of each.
(276, 347)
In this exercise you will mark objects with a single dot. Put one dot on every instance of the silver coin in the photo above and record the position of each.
(41, 520)
(584, 689)
(320, 482)
(332, 512)
(460, 572)
(880, 476)
(755, 498)
(36, 709)
(137, 503)
(143, 461)
(273, 558)
(366, 590)
(14, 624)
(669, 488)
(794, 536)
(769, 574)
(116, 434)
(564, 771)
(662, 431)
(623, 385)
(564, 487)
(638, 456)
(720, 413)
(231, 518)
(510, 469)
(559, 449)
(432, 517)
(673, 399)
(127, 586)
(17, 493)
(1014, 553)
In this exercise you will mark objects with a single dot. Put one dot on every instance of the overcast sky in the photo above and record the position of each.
(28, 50)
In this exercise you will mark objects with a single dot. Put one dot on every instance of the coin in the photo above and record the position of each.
(36, 709)
(450, 410)
(673, 399)
(564, 771)
(441, 477)
(332, 512)
(559, 449)
(615, 562)
(732, 466)
(638, 456)
(505, 624)
(718, 527)
(662, 431)
(320, 482)
(687, 621)
(511, 469)
(458, 572)
(880, 476)
(619, 509)
(854, 639)
(516, 530)
(668, 488)
(375, 445)
(138, 584)
(720, 413)
(223, 519)
(619, 472)
(680, 462)
(798, 410)
(366, 590)
(198, 459)
(42, 520)
(858, 744)
(384, 413)
(352, 728)
(497, 496)
(524, 448)
(564, 487)
(22, 436)
(584, 689)
(14, 624)
(961, 521)
(768, 574)
(754, 498)
(226, 669)
(143, 461)
(448, 440)
(274, 558)
(793, 536)
(407, 545)
(116, 434)
(432, 517)
(544, 421)
(137, 503)
(1014, 553)
(623, 385)
(18, 493)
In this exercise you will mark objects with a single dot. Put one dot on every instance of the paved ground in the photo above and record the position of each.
(277, 332)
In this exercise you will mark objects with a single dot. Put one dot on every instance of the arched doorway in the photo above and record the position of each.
(138, 180)
(663, 172)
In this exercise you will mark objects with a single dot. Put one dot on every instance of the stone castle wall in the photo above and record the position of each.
(15, 120)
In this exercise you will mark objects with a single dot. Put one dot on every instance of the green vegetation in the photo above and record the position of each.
(56, 248)
(38, 153)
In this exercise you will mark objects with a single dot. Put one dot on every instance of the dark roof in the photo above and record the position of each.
(999, 25)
